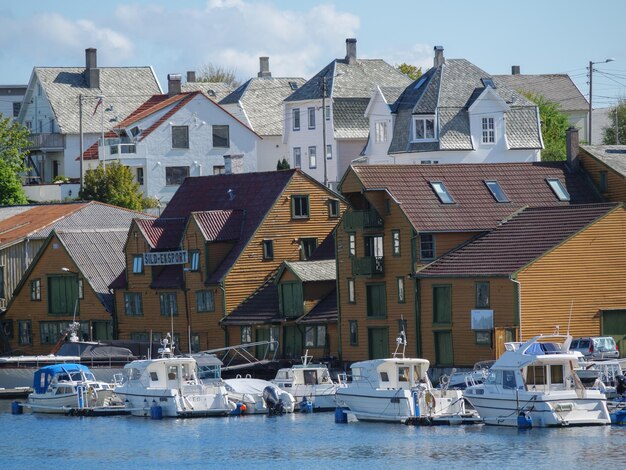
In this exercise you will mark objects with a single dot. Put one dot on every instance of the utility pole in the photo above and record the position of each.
(616, 124)
(80, 130)
(591, 64)
(324, 130)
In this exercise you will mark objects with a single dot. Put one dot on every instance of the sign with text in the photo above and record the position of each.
(165, 257)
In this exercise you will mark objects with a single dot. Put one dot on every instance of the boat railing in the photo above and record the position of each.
(241, 356)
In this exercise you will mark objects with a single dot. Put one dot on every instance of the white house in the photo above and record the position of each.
(454, 113)
(259, 103)
(60, 102)
(174, 136)
(11, 97)
(325, 127)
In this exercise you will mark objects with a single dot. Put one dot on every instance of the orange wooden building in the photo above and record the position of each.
(219, 239)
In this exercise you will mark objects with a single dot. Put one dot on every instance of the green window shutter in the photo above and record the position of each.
(63, 295)
(443, 348)
(442, 304)
(376, 300)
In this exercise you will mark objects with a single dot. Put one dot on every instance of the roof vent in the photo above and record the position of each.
(231, 194)
(211, 92)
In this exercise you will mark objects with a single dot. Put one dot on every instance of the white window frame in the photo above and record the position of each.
(297, 157)
(423, 120)
(311, 117)
(312, 157)
(295, 114)
(488, 130)
(380, 131)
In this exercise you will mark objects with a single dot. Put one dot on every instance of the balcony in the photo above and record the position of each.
(117, 146)
(362, 220)
(46, 142)
(368, 266)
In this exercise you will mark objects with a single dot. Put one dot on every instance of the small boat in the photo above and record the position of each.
(63, 388)
(309, 382)
(251, 396)
(535, 384)
(169, 386)
(462, 379)
(398, 389)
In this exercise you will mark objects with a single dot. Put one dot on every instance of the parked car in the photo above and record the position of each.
(596, 347)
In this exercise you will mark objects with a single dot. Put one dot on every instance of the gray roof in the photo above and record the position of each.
(262, 101)
(99, 255)
(448, 91)
(216, 91)
(308, 271)
(558, 88)
(94, 217)
(125, 88)
(613, 156)
(351, 86)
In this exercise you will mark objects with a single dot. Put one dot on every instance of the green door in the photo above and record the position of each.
(293, 342)
(614, 324)
(101, 330)
(378, 342)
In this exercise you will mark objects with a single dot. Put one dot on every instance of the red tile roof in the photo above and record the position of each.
(474, 208)
(220, 225)
(517, 242)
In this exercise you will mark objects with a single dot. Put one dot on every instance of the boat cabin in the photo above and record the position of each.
(165, 373)
(392, 373)
(56, 373)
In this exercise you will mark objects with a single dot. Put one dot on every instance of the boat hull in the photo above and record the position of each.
(63, 404)
(565, 409)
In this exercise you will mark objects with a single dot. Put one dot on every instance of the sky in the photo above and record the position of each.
(301, 36)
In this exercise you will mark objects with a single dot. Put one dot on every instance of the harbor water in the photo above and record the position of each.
(294, 441)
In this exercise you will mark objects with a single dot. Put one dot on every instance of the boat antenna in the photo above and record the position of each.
(571, 307)
(400, 341)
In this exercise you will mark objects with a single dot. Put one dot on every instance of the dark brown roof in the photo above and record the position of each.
(252, 194)
(326, 249)
(261, 307)
(474, 207)
(527, 236)
(324, 311)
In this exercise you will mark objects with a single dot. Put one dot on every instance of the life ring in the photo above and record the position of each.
(444, 380)
(430, 400)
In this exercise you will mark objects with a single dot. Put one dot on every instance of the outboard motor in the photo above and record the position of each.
(620, 384)
(272, 401)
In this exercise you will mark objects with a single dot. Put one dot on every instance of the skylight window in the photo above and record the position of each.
(560, 192)
(293, 85)
(420, 82)
(496, 191)
(442, 192)
(488, 82)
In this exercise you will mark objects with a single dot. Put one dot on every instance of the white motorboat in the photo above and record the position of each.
(536, 384)
(62, 388)
(309, 382)
(250, 396)
(169, 386)
(398, 389)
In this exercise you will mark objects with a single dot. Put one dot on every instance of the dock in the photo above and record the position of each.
(451, 420)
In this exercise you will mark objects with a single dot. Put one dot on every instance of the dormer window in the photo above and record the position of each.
(496, 191)
(558, 189)
(424, 129)
(442, 192)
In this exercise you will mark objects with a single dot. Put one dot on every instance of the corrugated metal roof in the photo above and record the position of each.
(260, 307)
(474, 207)
(162, 233)
(99, 255)
(220, 225)
(517, 242)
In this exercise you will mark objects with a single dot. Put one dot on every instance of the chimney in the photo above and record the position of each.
(571, 148)
(233, 164)
(351, 50)
(439, 58)
(173, 84)
(91, 58)
(264, 67)
(515, 70)
(92, 72)
(191, 76)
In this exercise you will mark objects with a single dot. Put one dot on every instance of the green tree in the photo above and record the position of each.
(617, 119)
(282, 165)
(217, 73)
(411, 71)
(13, 142)
(113, 185)
(553, 126)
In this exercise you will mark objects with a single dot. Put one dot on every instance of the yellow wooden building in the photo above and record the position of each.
(546, 270)
(403, 217)
(219, 239)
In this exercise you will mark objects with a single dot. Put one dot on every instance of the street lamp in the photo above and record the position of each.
(591, 64)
